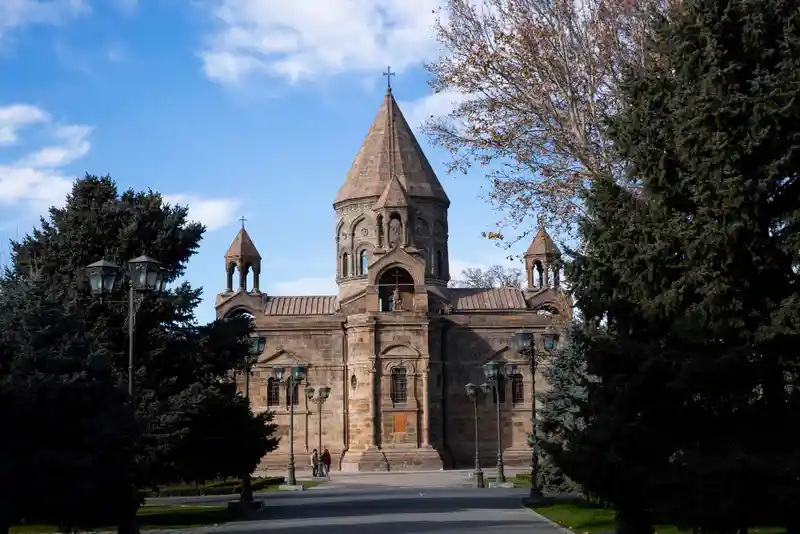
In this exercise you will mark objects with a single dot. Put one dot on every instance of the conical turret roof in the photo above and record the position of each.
(542, 245)
(390, 148)
(242, 247)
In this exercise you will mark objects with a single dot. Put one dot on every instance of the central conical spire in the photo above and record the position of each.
(390, 149)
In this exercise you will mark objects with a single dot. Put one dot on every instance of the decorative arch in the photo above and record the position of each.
(354, 225)
(339, 227)
(237, 310)
(503, 353)
(547, 308)
(282, 356)
(396, 289)
(396, 233)
(398, 258)
(400, 349)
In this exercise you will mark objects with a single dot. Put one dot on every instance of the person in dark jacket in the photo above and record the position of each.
(326, 463)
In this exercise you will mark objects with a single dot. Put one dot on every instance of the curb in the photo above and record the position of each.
(561, 528)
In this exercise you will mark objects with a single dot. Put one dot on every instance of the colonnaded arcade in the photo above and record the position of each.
(396, 345)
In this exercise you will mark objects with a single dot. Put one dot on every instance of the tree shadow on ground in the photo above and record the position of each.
(366, 506)
(400, 527)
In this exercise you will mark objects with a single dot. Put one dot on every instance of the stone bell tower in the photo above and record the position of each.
(391, 198)
(543, 262)
(242, 256)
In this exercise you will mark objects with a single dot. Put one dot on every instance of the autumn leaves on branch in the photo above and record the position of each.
(537, 80)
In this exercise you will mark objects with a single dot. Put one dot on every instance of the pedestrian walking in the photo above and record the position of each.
(326, 463)
(315, 463)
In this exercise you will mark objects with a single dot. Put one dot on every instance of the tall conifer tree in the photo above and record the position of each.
(692, 283)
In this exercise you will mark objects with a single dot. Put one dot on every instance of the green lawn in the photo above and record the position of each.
(172, 516)
(519, 481)
(158, 516)
(586, 518)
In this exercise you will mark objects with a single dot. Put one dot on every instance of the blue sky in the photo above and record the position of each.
(234, 107)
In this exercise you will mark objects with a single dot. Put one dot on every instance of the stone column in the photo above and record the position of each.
(374, 404)
(426, 413)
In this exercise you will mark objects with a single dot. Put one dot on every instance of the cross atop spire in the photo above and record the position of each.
(389, 75)
(242, 220)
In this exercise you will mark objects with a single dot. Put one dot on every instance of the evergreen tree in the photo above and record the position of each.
(173, 354)
(69, 435)
(690, 287)
(561, 414)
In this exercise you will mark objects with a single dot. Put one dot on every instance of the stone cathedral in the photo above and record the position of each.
(396, 345)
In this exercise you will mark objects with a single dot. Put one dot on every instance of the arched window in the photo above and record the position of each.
(517, 390)
(362, 262)
(273, 392)
(399, 385)
(396, 280)
(294, 398)
(345, 265)
(438, 264)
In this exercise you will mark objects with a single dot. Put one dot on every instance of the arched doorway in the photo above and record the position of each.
(396, 290)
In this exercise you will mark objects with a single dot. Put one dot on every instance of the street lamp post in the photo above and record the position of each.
(295, 376)
(319, 399)
(495, 372)
(523, 342)
(146, 276)
(475, 393)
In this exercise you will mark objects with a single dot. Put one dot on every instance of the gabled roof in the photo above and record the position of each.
(542, 245)
(242, 247)
(490, 298)
(394, 196)
(303, 305)
(390, 148)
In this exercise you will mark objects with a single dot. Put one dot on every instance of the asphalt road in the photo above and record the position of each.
(387, 510)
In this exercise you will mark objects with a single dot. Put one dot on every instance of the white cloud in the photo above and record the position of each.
(35, 180)
(441, 104)
(38, 179)
(17, 13)
(321, 285)
(15, 117)
(301, 39)
(215, 213)
(74, 144)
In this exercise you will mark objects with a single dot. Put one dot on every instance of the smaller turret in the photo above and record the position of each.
(242, 255)
(543, 259)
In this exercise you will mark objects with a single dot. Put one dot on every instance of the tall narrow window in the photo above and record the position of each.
(363, 262)
(399, 385)
(345, 265)
(389, 303)
(292, 393)
(437, 266)
(517, 390)
(273, 392)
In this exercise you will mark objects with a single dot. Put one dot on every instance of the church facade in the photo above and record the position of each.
(396, 345)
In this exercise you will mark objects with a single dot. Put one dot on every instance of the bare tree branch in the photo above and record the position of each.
(542, 78)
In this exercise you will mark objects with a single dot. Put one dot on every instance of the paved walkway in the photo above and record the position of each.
(395, 511)
(396, 503)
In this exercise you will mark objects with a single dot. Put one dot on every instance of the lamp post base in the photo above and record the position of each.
(291, 480)
(501, 474)
(477, 479)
